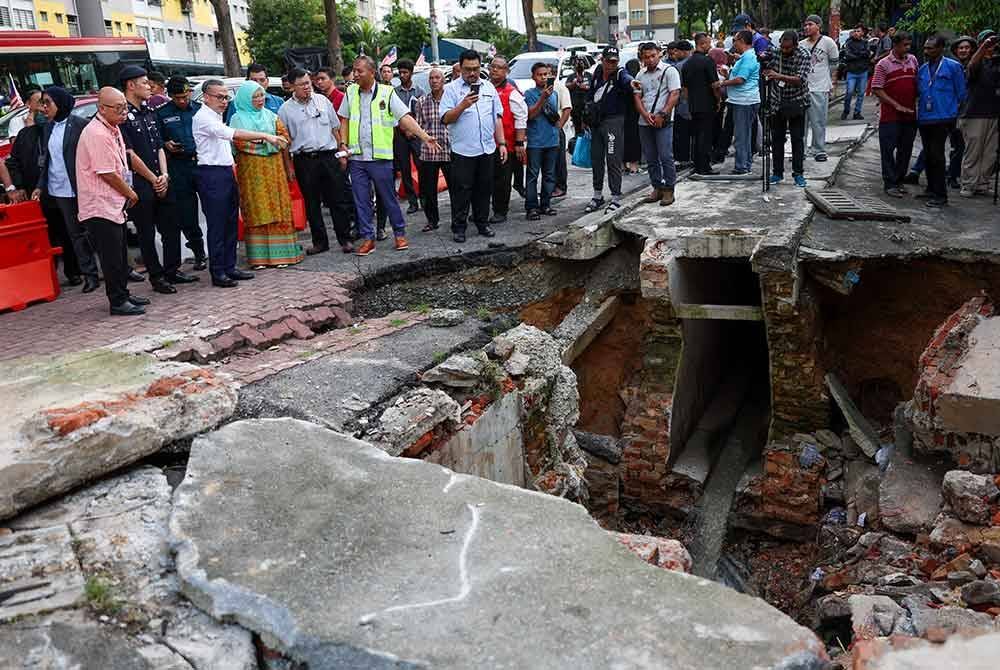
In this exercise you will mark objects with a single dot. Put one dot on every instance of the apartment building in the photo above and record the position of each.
(178, 32)
(646, 19)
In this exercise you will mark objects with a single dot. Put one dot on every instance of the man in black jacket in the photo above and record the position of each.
(855, 59)
(57, 174)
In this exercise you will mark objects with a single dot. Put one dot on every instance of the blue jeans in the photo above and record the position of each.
(379, 173)
(857, 82)
(658, 148)
(540, 161)
(220, 200)
(744, 118)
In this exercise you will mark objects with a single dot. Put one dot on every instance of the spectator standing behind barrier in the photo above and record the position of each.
(543, 142)
(437, 159)
(855, 59)
(158, 90)
(312, 125)
(515, 124)
(824, 54)
(788, 77)
(979, 120)
(105, 194)
(895, 85)
(744, 98)
(579, 84)
(57, 175)
(472, 111)
(175, 123)
(941, 89)
(704, 100)
(405, 147)
(608, 99)
(657, 92)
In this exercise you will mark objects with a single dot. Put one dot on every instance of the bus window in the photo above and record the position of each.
(76, 71)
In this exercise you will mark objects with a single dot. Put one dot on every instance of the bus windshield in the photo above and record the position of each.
(79, 73)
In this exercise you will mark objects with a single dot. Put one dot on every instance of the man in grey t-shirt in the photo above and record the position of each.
(824, 55)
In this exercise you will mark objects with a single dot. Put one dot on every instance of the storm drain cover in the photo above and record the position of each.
(839, 204)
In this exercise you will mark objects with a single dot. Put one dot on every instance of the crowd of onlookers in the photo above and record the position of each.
(340, 139)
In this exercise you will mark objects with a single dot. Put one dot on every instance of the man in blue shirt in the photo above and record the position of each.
(941, 89)
(610, 93)
(543, 142)
(182, 199)
(743, 87)
(472, 111)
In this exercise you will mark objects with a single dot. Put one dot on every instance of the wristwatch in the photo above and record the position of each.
(518, 143)
(11, 188)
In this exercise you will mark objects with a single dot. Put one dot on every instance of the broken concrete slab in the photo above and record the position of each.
(909, 495)
(582, 325)
(39, 572)
(662, 552)
(971, 402)
(75, 417)
(445, 318)
(877, 616)
(414, 414)
(959, 652)
(417, 566)
(458, 371)
(860, 428)
(970, 496)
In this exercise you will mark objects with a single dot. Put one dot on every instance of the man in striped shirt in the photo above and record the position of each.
(895, 85)
(427, 111)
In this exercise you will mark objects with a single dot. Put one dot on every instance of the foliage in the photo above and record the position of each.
(100, 596)
(962, 16)
(573, 13)
(784, 14)
(276, 25)
(407, 31)
(486, 26)
(369, 38)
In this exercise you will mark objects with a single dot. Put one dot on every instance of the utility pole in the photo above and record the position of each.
(835, 19)
(434, 33)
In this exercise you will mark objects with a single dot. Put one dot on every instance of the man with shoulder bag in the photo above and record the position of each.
(787, 76)
(605, 116)
(657, 90)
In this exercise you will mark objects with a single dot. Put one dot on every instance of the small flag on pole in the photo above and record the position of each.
(421, 61)
(492, 51)
(390, 57)
(15, 97)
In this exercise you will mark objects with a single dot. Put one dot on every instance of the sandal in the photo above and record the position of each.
(547, 211)
(594, 205)
(533, 215)
(612, 206)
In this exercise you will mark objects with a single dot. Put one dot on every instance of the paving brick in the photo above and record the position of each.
(299, 329)
(253, 337)
(226, 343)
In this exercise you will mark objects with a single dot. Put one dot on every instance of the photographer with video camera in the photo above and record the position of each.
(786, 71)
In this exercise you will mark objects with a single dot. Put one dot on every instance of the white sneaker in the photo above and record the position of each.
(966, 192)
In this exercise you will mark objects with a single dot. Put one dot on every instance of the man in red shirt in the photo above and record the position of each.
(895, 85)
(323, 82)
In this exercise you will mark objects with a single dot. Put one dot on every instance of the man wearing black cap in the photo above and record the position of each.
(175, 123)
(148, 162)
(611, 92)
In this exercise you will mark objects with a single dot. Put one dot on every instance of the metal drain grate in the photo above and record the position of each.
(839, 204)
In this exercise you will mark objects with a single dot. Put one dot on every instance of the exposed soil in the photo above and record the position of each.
(549, 312)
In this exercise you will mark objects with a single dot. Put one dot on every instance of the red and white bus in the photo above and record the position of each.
(79, 64)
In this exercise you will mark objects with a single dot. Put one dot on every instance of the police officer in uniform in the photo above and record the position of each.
(175, 122)
(150, 179)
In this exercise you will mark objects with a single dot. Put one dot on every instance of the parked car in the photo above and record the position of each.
(86, 106)
(520, 65)
(233, 83)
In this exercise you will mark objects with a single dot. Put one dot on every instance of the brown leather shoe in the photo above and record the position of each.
(366, 248)
(402, 244)
(655, 195)
(667, 197)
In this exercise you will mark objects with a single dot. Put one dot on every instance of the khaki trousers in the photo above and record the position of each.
(980, 152)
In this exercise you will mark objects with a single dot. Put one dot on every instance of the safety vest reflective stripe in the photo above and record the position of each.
(382, 122)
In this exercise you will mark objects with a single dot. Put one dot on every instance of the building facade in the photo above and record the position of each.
(178, 32)
(647, 20)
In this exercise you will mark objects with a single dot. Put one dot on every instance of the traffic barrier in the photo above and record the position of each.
(27, 271)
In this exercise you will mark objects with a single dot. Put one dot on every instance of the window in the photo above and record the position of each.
(158, 35)
(44, 16)
(170, 32)
(107, 29)
(218, 42)
(59, 18)
(128, 27)
(118, 26)
(5, 17)
(637, 15)
(72, 25)
(24, 19)
(143, 32)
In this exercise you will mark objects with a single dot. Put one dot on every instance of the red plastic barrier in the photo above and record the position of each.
(27, 271)
(442, 184)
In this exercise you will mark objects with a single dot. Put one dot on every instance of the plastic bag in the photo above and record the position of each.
(581, 152)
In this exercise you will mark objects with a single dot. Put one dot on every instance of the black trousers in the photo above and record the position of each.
(59, 237)
(428, 172)
(152, 214)
(503, 175)
(796, 127)
(701, 140)
(895, 142)
(80, 242)
(183, 202)
(471, 186)
(934, 136)
(322, 181)
(402, 150)
(108, 239)
(682, 139)
(562, 169)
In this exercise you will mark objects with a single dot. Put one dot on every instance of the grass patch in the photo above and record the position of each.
(422, 308)
(167, 343)
(484, 314)
(356, 330)
(439, 357)
(100, 596)
(396, 323)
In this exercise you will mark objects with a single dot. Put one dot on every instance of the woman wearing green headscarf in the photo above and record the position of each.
(263, 173)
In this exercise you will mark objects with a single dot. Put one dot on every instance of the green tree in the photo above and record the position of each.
(961, 16)
(407, 31)
(573, 13)
(487, 27)
(276, 25)
(369, 38)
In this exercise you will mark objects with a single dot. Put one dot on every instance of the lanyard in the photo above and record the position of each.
(934, 75)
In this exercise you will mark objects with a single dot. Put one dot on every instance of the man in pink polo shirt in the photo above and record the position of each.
(104, 192)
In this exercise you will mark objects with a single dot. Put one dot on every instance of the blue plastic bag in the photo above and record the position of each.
(581, 152)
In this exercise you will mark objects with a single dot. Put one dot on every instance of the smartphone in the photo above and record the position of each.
(550, 82)
(475, 89)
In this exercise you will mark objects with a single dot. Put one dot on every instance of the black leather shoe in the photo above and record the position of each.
(223, 282)
(140, 300)
(498, 218)
(200, 263)
(380, 235)
(126, 309)
(91, 284)
(240, 275)
(709, 172)
(413, 208)
(485, 231)
(312, 251)
(75, 280)
(135, 276)
(163, 287)
(459, 237)
(181, 278)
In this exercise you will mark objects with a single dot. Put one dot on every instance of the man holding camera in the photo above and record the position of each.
(657, 90)
(787, 75)
(473, 114)
(979, 119)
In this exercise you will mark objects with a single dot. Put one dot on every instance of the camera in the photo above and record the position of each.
(766, 60)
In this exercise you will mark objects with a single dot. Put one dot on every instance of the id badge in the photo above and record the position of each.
(128, 177)
(929, 106)
(781, 84)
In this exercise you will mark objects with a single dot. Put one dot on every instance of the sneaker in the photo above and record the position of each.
(366, 248)
(967, 193)
(401, 243)
(776, 179)
(533, 215)
(820, 158)
(558, 193)
(800, 181)
(857, 116)
(911, 178)
(935, 203)
(895, 192)
(843, 116)
(953, 183)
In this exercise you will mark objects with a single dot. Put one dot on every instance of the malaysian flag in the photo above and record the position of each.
(14, 97)
(421, 61)
(390, 57)
(492, 51)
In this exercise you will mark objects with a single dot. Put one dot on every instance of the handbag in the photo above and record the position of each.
(298, 206)
(593, 115)
(581, 151)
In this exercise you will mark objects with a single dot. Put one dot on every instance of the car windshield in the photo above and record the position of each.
(521, 68)
(84, 109)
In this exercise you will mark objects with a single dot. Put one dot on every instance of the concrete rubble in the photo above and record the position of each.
(76, 417)
(419, 565)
